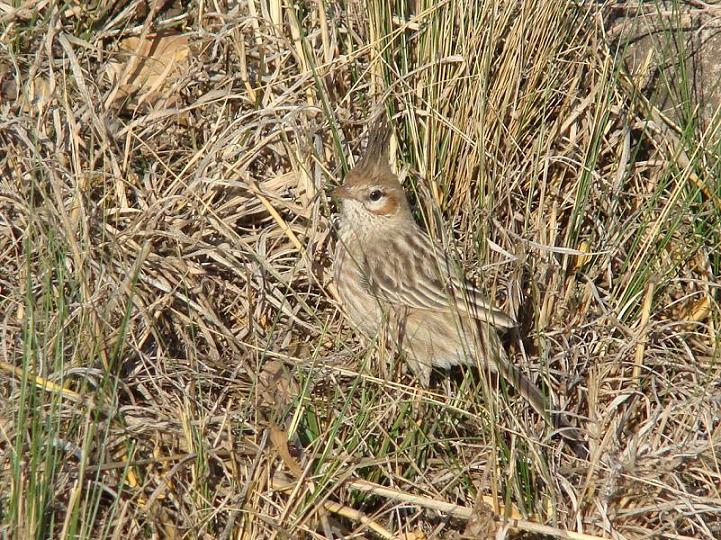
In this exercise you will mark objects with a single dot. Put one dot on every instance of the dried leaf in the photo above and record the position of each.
(149, 66)
(482, 523)
(38, 96)
(279, 438)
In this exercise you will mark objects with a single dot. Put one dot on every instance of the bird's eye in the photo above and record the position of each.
(375, 195)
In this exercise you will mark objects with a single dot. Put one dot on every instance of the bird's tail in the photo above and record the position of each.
(531, 393)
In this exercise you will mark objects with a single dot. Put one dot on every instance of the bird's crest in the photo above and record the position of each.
(375, 163)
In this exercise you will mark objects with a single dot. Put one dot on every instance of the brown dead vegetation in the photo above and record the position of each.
(173, 363)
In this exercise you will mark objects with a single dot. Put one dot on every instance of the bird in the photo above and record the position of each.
(393, 280)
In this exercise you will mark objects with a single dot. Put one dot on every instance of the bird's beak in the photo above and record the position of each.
(341, 192)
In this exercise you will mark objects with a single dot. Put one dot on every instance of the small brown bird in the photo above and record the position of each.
(392, 279)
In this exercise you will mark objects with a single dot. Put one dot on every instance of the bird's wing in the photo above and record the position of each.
(412, 271)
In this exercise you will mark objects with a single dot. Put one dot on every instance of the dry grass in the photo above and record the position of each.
(173, 363)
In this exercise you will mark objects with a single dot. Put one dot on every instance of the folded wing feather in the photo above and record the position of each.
(422, 281)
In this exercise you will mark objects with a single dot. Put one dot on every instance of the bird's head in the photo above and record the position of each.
(371, 191)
